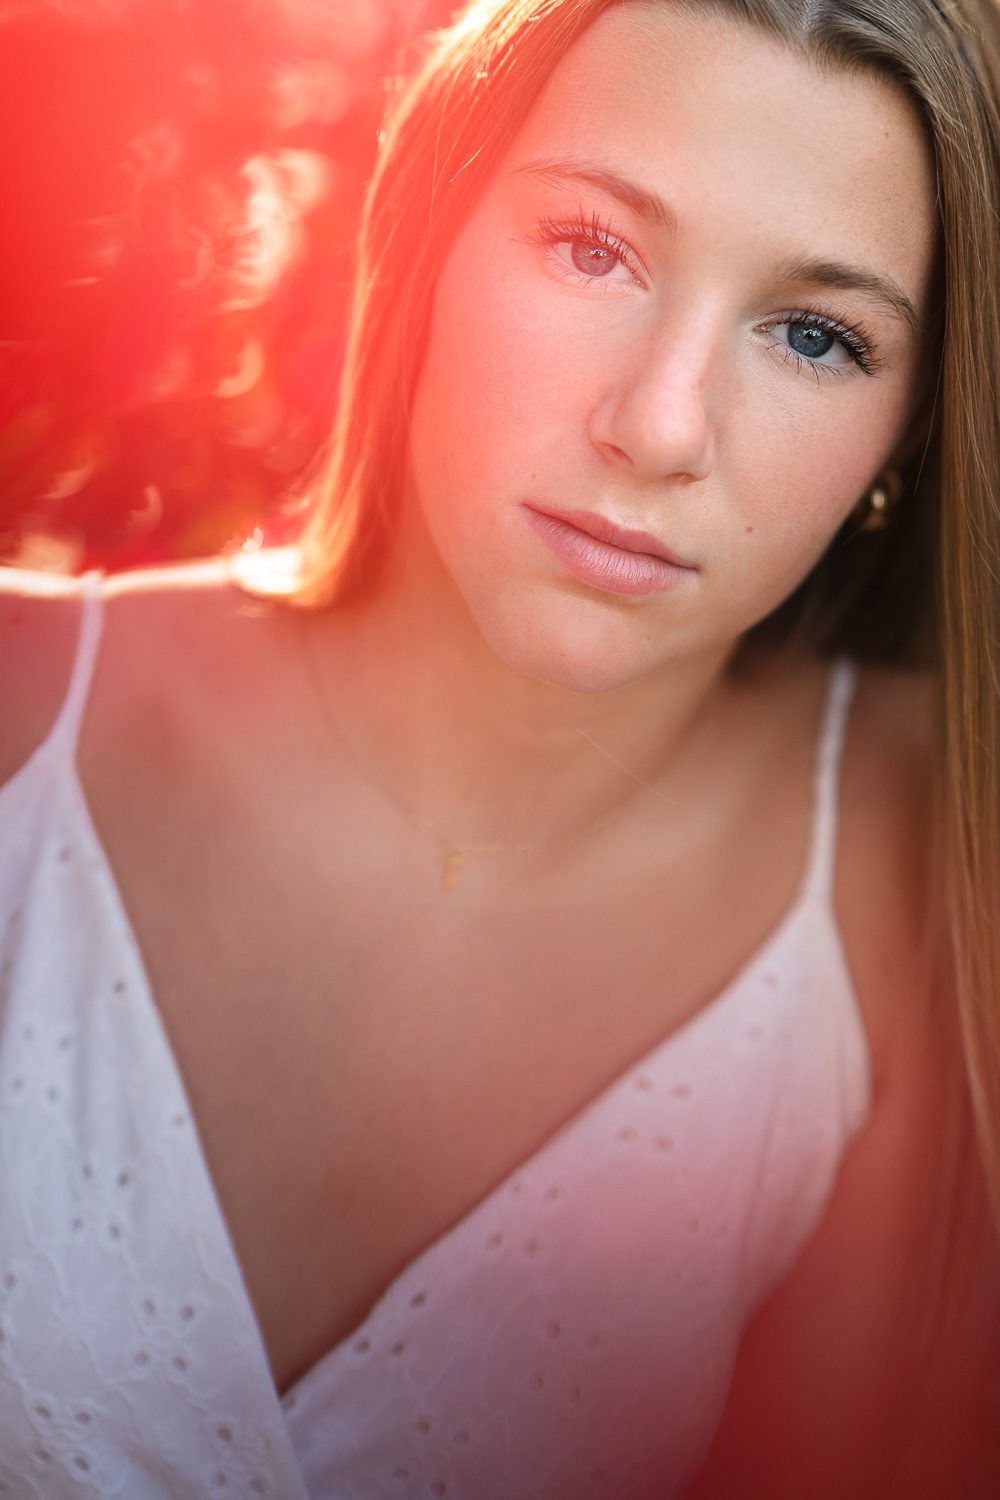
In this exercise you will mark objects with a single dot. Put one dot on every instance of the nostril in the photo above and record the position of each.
(611, 453)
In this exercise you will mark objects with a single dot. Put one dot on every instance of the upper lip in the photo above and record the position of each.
(603, 530)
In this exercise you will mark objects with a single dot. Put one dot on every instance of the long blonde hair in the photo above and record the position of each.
(927, 589)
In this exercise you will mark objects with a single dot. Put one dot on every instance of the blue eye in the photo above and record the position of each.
(809, 338)
(808, 341)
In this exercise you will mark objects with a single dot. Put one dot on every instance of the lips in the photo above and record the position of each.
(614, 559)
(623, 537)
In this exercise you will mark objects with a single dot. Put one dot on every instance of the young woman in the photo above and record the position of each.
(439, 1025)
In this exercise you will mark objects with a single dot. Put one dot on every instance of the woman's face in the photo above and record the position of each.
(687, 305)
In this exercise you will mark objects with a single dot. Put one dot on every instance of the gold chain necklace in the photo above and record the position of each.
(455, 855)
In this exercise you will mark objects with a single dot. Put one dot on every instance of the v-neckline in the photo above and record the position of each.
(802, 901)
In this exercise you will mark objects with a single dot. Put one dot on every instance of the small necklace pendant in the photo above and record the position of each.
(453, 862)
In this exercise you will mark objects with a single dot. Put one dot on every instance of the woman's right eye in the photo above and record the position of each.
(589, 249)
(592, 260)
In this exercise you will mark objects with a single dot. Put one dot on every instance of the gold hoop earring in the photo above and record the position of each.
(872, 512)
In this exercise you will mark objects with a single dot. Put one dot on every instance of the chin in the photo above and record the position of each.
(580, 646)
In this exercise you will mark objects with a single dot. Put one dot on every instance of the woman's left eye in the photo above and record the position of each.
(814, 341)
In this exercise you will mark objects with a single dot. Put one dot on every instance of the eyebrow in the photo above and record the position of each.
(648, 206)
(645, 204)
(834, 273)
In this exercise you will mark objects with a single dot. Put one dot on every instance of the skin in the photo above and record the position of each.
(664, 394)
(485, 696)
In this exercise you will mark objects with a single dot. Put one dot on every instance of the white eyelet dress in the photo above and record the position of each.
(572, 1338)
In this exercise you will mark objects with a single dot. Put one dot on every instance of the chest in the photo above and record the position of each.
(368, 1055)
(625, 1223)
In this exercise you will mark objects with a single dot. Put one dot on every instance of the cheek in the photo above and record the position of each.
(483, 430)
(498, 373)
(793, 476)
(462, 404)
(797, 473)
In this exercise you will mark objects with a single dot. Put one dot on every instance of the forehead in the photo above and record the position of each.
(717, 118)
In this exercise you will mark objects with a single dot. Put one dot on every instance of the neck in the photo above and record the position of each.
(481, 754)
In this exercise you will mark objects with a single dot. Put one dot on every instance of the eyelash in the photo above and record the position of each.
(593, 230)
(855, 337)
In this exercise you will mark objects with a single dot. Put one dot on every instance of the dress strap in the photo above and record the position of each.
(822, 862)
(66, 730)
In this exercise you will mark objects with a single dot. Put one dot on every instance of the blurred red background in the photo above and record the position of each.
(180, 182)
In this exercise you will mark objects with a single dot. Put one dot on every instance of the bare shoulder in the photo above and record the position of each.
(871, 1370)
(190, 665)
(887, 892)
(175, 642)
(886, 862)
(39, 626)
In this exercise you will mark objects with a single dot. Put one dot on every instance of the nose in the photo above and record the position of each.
(652, 417)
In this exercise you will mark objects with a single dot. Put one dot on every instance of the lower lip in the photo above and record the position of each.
(616, 570)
